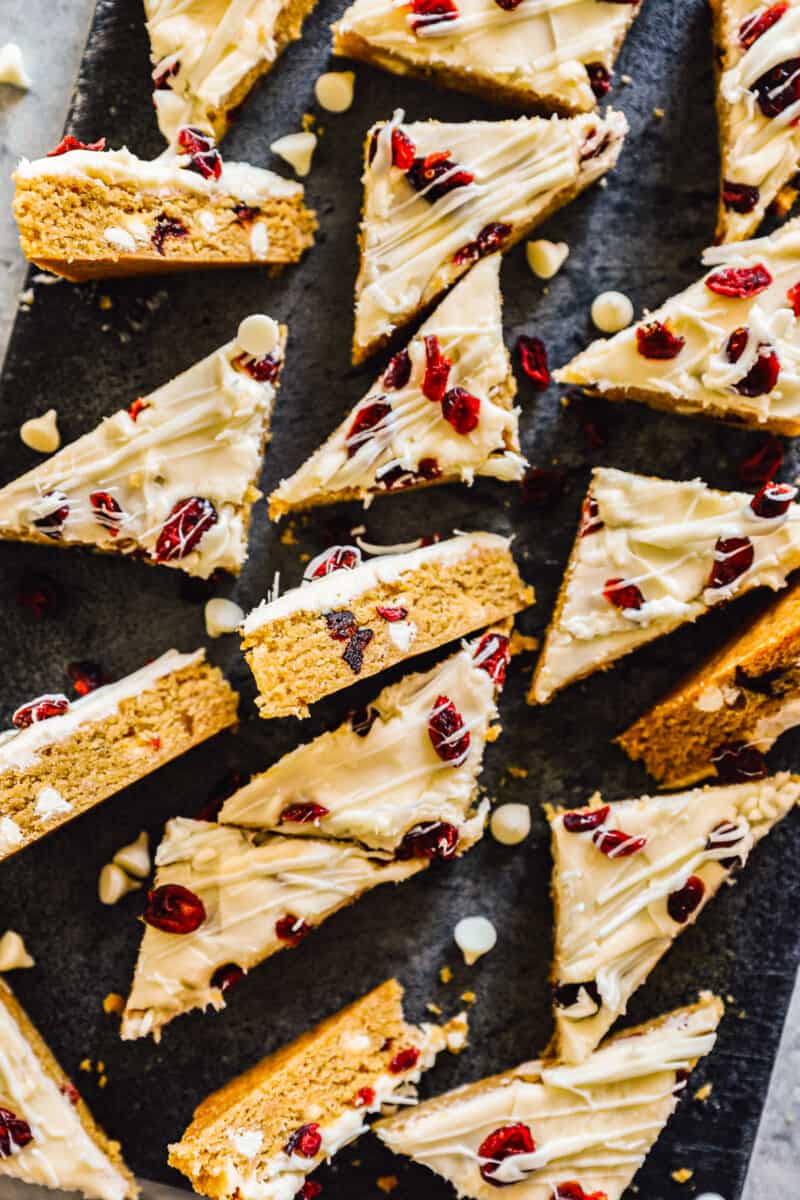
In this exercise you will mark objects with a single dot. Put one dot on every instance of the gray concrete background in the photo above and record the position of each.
(52, 34)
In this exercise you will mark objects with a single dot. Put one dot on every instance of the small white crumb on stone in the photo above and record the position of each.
(13, 952)
(626, 79)
(474, 936)
(334, 90)
(222, 616)
(259, 240)
(26, 297)
(135, 857)
(113, 884)
(510, 824)
(612, 311)
(50, 803)
(297, 149)
(545, 258)
(456, 1031)
(41, 433)
(246, 1142)
(257, 335)
(12, 67)
(10, 833)
(710, 1196)
(120, 239)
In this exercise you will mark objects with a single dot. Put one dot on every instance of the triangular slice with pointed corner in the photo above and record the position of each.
(723, 717)
(225, 900)
(532, 57)
(629, 877)
(387, 778)
(351, 618)
(133, 485)
(208, 55)
(560, 1131)
(86, 212)
(442, 411)
(48, 1137)
(255, 1135)
(756, 48)
(438, 197)
(652, 554)
(726, 347)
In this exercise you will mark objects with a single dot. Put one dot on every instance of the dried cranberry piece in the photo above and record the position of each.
(508, 5)
(341, 624)
(590, 517)
(353, 653)
(172, 908)
(396, 477)
(567, 994)
(362, 720)
(69, 1090)
(15, 1133)
(599, 79)
(737, 762)
(263, 370)
(763, 375)
(86, 676)
(52, 523)
(41, 709)
(403, 150)
(40, 594)
(732, 557)
(436, 840)
(227, 976)
(490, 238)
(793, 296)
(291, 929)
(740, 197)
(305, 1141)
(204, 157)
(682, 903)
(224, 788)
(72, 143)
(437, 174)
(437, 370)
(543, 486)
(246, 213)
(533, 357)
(364, 1097)
(106, 511)
(778, 88)
(740, 283)
(404, 1060)
(656, 340)
(303, 813)
(461, 410)
(309, 1191)
(580, 822)
(432, 12)
(616, 844)
(337, 558)
(492, 655)
(391, 613)
(189, 520)
(622, 595)
(368, 420)
(166, 227)
(161, 76)
(763, 464)
(752, 28)
(503, 1143)
(773, 499)
(572, 1190)
(724, 835)
(449, 736)
(398, 372)
(138, 405)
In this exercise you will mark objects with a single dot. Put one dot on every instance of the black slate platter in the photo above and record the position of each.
(88, 350)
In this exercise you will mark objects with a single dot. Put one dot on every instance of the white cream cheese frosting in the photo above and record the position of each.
(379, 777)
(701, 378)
(509, 173)
(617, 911)
(656, 543)
(394, 429)
(181, 461)
(760, 150)
(593, 1124)
(247, 884)
(542, 47)
(60, 1153)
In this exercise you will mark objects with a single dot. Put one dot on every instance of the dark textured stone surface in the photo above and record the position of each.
(643, 235)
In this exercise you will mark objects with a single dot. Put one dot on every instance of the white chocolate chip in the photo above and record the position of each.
(259, 240)
(474, 936)
(12, 67)
(710, 1196)
(334, 90)
(114, 884)
(222, 616)
(135, 857)
(10, 833)
(510, 824)
(612, 311)
(41, 433)
(246, 1142)
(545, 258)
(50, 803)
(297, 149)
(13, 952)
(258, 335)
(120, 239)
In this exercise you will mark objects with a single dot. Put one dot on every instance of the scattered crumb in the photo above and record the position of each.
(683, 1175)
(433, 1008)
(445, 974)
(729, 999)
(602, 183)
(658, 113)
(304, 557)
(102, 1081)
(468, 997)
(14, 954)
(703, 1092)
(742, 1014)
(26, 297)
(626, 79)
(85, 1065)
(455, 1032)
(100, 1066)
(288, 536)
(113, 1003)
(520, 644)
(387, 1183)
(518, 772)
(308, 121)
(105, 303)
